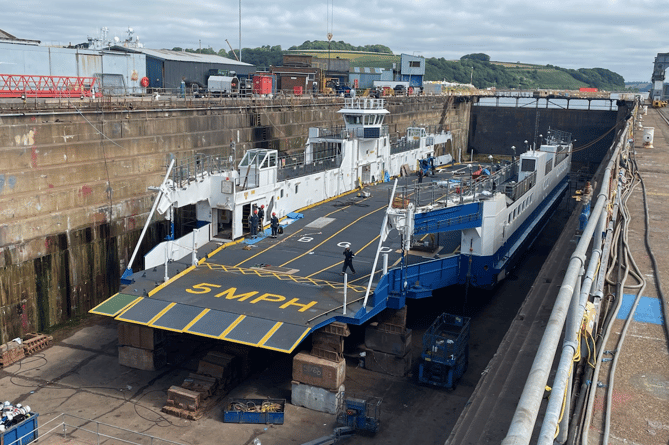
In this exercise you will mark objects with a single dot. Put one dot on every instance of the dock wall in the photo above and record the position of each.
(74, 184)
(495, 129)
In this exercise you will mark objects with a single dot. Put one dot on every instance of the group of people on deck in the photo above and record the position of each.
(257, 220)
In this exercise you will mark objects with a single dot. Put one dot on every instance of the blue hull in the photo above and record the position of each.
(487, 271)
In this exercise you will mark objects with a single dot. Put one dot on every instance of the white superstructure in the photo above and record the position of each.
(334, 161)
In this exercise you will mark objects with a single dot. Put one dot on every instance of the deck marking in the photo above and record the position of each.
(143, 311)
(270, 247)
(232, 326)
(340, 262)
(270, 333)
(161, 313)
(177, 318)
(195, 320)
(125, 300)
(219, 248)
(128, 307)
(333, 235)
(170, 281)
(284, 277)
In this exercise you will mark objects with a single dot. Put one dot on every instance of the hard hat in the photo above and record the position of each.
(255, 211)
(273, 214)
(262, 206)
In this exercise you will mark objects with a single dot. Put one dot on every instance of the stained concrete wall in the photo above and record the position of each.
(73, 186)
(494, 130)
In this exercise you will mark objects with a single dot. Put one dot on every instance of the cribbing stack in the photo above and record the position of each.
(445, 351)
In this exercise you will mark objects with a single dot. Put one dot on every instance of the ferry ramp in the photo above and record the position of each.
(272, 292)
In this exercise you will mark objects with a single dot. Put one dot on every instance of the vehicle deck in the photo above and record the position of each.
(271, 292)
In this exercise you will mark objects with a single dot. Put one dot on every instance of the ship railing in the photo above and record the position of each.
(558, 137)
(294, 166)
(402, 145)
(65, 428)
(196, 167)
(366, 103)
(459, 189)
(516, 190)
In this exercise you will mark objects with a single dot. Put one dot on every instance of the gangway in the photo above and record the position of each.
(31, 86)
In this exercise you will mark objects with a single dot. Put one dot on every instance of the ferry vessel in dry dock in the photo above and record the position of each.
(409, 240)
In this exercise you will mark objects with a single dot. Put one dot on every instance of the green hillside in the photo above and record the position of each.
(475, 68)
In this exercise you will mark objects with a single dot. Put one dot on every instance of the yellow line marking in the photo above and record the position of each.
(161, 313)
(195, 320)
(340, 262)
(232, 326)
(333, 235)
(170, 281)
(128, 307)
(120, 316)
(282, 276)
(219, 248)
(298, 231)
(107, 314)
(379, 270)
(299, 340)
(270, 247)
(271, 332)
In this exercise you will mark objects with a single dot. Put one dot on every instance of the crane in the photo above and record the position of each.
(233, 51)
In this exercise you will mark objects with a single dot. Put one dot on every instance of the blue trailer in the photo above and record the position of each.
(445, 351)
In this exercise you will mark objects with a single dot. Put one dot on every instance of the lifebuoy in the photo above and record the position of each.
(144, 82)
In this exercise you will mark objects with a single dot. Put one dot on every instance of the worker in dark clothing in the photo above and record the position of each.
(253, 224)
(348, 261)
(274, 222)
(261, 217)
(420, 175)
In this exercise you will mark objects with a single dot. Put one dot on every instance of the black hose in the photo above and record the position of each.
(656, 272)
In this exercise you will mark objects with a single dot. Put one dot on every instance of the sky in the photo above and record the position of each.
(623, 36)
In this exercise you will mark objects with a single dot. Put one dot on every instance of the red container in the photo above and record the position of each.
(587, 90)
(297, 91)
(262, 84)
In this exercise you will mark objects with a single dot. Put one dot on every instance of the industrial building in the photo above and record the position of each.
(166, 69)
(122, 69)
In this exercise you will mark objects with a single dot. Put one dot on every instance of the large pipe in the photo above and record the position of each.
(522, 423)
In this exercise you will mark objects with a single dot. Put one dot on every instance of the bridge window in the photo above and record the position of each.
(528, 165)
(353, 119)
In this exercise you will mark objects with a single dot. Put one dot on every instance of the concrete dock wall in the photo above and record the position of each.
(73, 185)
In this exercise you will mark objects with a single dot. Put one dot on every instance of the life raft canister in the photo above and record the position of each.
(144, 82)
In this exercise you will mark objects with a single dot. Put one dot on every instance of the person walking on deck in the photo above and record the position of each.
(348, 261)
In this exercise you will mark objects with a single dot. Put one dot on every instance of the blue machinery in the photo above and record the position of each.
(445, 351)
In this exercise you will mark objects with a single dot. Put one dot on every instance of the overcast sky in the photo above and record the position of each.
(621, 35)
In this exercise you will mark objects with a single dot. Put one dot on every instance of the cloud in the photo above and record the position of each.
(619, 35)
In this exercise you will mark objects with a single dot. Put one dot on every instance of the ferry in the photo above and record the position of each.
(351, 186)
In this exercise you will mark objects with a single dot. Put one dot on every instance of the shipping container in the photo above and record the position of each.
(588, 90)
(262, 84)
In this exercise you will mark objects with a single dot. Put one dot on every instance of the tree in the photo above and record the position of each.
(478, 56)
